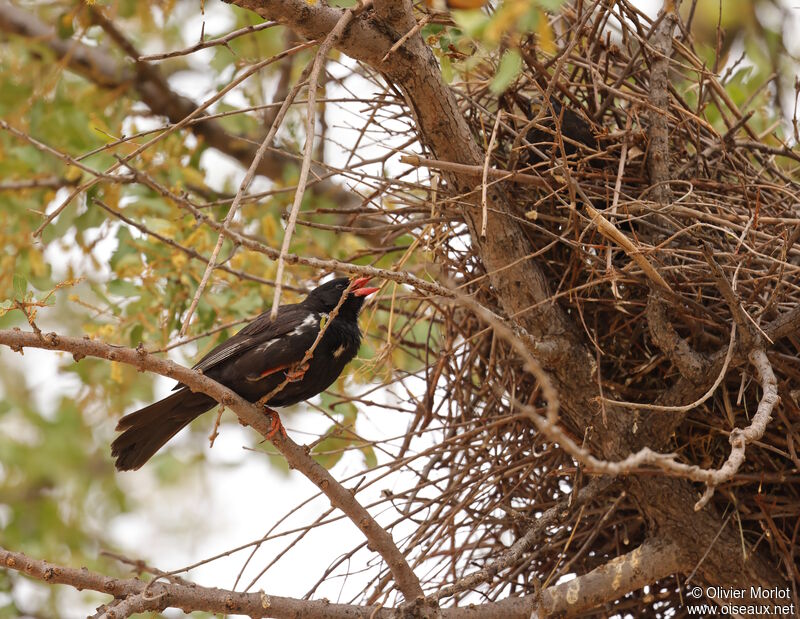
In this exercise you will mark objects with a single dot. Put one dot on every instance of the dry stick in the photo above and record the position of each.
(67, 159)
(249, 414)
(617, 188)
(50, 182)
(172, 129)
(322, 54)
(222, 40)
(463, 168)
(237, 199)
(610, 231)
(420, 25)
(484, 186)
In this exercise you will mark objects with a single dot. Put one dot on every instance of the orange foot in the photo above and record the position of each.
(275, 424)
(296, 373)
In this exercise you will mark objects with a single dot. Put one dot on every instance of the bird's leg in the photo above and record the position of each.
(296, 373)
(275, 424)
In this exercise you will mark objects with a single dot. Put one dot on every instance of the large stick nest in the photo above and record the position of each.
(489, 474)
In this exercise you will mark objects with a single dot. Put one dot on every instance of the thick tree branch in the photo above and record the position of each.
(249, 414)
(658, 134)
(652, 561)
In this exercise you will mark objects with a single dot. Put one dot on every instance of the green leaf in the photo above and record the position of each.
(64, 26)
(370, 459)
(20, 286)
(123, 288)
(136, 334)
(473, 23)
(508, 70)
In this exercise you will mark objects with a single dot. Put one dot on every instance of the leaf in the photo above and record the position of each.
(370, 459)
(20, 286)
(473, 23)
(508, 70)
(123, 288)
(64, 26)
(136, 334)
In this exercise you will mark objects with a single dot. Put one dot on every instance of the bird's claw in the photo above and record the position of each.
(296, 373)
(275, 424)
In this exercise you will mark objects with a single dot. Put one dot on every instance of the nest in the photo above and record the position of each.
(583, 113)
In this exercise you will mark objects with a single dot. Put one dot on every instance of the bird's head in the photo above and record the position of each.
(326, 297)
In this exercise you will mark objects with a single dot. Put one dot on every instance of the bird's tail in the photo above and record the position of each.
(145, 431)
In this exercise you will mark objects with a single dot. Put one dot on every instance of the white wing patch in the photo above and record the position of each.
(308, 323)
(338, 352)
(262, 348)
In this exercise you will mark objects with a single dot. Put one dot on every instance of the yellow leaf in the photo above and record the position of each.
(73, 174)
(179, 260)
(116, 372)
(269, 227)
(545, 35)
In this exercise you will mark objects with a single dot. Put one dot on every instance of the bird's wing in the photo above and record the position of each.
(261, 332)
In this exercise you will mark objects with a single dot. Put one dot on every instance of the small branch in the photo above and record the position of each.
(221, 40)
(484, 186)
(740, 438)
(49, 182)
(474, 170)
(311, 115)
(610, 231)
(690, 364)
(419, 26)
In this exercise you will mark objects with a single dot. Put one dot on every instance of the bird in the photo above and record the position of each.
(579, 136)
(265, 354)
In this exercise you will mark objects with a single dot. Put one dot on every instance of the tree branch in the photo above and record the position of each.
(650, 562)
(249, 414)
(97, 64)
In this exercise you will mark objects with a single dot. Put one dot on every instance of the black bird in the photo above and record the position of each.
(571, 125)
(256, 361)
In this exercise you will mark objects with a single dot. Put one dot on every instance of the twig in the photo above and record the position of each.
(610, 231)
(222, 40)
(311, 114)
(473, 170)
(484, 186)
